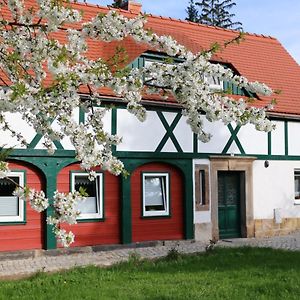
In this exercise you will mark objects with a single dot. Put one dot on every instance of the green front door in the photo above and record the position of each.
(229, 192)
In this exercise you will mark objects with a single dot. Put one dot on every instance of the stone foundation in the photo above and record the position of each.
(268, 227)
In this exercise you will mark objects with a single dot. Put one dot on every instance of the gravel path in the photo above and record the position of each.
(18, 267)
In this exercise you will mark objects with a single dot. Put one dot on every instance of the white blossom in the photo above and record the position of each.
(4, 169)
(37, 200)
(64, 237)
(30, 55)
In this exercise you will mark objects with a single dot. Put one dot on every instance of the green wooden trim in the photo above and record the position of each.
(269, 143)
(169, 215)
(58, 145)
(42, 153)
(114, 126)
(157, 57)
(169, 132)
(286, 138)
(170, 155)
(86, 220)
(39, 136)
(233, 138)
(24, 221)
(35, 141)
(126, 216)
(195, 143)
(51, 183)
(188, 200)
(149, 107)
(81, 116)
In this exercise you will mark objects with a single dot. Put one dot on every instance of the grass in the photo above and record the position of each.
(242, 273)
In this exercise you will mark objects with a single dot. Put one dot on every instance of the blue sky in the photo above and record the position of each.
(278, 18)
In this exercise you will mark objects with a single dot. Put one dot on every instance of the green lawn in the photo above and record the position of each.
(243, 273)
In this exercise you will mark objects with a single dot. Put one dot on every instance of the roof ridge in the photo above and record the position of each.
(108, 7)
(85, 3)
(211, 27)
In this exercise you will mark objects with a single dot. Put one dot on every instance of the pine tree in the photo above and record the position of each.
(117, 3)
(216, 13)
(192, 12)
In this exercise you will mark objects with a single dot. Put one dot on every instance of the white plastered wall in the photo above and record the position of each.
(273, 188)
(19, 125)
(16, 122)
(278, 146)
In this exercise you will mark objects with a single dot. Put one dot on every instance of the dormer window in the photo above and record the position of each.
(215, 83)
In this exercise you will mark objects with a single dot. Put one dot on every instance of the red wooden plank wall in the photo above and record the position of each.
(157, 228)
(99, 232)
(30, 235)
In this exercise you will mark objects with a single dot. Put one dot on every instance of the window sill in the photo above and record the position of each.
(202, 208)
(91, 220)
(9, 223)
(157, 217)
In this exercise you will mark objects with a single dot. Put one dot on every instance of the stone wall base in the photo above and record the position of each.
(268, 227)
(203, 232)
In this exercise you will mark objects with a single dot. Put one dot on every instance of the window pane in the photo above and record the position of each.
(7, 186)
(155, 196)
(297, 186)
(84, 182)
(202, 187)
(9, 206)
(90, 205)
(214, 82)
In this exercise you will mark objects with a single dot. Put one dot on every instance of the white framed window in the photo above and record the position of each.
(92, 207)
(156, 194)
(215, 83)
(297, 186)
(11, 207)
(201, 187)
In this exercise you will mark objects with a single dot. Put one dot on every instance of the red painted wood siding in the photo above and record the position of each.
(157, 228)
(99, 232)
(30, 235)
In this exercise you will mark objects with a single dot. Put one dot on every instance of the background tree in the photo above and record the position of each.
(117, 3)
(216, 13)
(192, 12)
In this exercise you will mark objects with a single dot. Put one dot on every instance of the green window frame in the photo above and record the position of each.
(98, 198)
(20, 215)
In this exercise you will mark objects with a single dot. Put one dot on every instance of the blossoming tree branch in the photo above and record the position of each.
(41, 78)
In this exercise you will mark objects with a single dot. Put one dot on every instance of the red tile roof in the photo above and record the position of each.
(258, 57)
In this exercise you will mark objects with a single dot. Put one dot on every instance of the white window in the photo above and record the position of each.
(92, 207)
(297, 186)
(11, 207)
(201, 187)
(155, 194)
(215, 83)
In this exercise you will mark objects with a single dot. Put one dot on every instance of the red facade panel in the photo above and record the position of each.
(98, 232)
(30, 235)
(157, 228)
